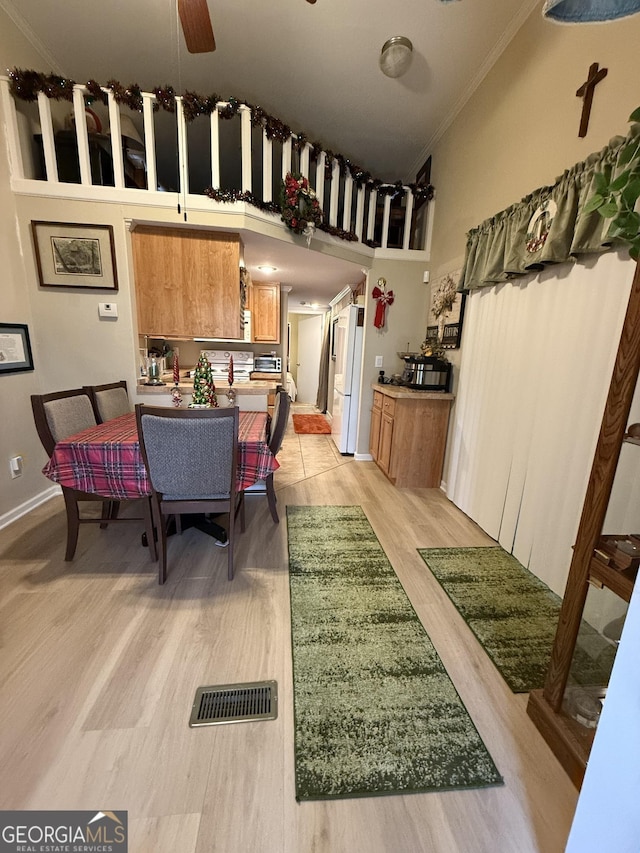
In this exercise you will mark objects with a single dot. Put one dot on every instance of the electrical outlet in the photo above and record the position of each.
(379, 361)
(15, 466)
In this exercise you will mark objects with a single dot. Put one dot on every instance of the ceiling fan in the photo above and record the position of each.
(196, 25)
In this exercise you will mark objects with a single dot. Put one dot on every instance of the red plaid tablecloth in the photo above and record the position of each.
(106, 459)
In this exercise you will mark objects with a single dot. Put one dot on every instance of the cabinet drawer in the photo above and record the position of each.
(378, 400)
(388, 405)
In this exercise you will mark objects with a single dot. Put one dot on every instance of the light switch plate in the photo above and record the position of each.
(379, 361)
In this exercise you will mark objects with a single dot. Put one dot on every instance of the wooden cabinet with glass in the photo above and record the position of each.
(566, 710)
(264, 304)
(188, 282)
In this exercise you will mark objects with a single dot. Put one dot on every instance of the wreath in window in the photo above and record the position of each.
(301, 211)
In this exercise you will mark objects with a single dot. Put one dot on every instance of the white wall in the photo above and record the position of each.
(17, 436)
(405, 322)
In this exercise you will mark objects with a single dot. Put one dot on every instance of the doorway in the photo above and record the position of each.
(307, 361)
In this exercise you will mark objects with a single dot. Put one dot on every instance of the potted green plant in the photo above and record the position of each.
(616, 198)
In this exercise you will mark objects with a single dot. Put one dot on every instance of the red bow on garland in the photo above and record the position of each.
(385, 297)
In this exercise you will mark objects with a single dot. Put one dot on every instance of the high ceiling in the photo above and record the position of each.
(313, 66)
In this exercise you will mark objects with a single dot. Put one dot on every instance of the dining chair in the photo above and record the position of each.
(191, 459)
(57, 416)
(109, 401)
(279, 420)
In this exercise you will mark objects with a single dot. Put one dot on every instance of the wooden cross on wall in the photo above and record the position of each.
(585, 92)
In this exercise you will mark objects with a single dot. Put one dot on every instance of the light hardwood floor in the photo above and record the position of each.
(99, 667)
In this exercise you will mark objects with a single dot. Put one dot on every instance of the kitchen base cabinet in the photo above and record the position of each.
(409, 434)
(376, 423)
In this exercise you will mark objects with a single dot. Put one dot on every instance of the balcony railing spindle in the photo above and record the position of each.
(81, 134)
(183, 158)
(267, 166)
(286, 157)
(304, 160)
(360, 212)
(148, 101)
(371, 223)
(386, 212)
(214, 131)
(48, 140)
(346, 212)
(116, 139)
(320, 177)
(406, 239)
(245, 145)
(335, 189)
(13, 138)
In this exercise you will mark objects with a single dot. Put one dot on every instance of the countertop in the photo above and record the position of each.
(400, 392)
(253, 387)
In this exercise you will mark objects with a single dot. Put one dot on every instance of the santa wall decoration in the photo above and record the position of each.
(384, 297)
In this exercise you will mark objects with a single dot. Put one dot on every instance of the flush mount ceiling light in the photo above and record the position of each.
(587, 11)
(395, 56)
(267, 268)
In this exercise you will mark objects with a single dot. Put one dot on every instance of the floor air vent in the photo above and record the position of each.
(235, 703)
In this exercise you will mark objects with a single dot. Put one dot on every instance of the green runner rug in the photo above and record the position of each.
(375, 711)
(514, 615)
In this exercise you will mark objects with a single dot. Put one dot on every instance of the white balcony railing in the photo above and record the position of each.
(235, 156)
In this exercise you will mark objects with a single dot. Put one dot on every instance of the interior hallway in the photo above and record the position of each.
(100, 665)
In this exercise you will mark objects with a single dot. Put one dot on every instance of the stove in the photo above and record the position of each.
(219, 361)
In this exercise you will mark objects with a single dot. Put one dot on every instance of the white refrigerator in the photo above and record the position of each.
(348, 332)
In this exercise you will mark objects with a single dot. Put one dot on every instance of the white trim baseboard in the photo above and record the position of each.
(26, 507)
(363, 457)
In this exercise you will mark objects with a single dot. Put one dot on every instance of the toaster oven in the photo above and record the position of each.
(267, 364)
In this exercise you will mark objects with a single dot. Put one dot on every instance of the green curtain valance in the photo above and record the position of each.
(546, 227)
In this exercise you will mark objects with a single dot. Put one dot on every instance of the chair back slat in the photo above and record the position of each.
(109, 401)
(279, 420)
(190, 454)
(61, 414)
(190, 459)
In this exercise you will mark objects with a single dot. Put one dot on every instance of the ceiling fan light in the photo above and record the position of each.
(395, 56)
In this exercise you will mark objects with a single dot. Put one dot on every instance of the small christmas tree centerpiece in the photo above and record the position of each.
(204, 390)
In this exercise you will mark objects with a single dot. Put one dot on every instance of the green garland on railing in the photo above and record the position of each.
(229, 196)
(26, 85)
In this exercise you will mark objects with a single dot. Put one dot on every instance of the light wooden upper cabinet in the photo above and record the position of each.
(187, 282)
(264, 303)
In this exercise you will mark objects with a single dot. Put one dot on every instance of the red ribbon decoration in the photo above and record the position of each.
(230, 371)
(385, 297)
(176, 368)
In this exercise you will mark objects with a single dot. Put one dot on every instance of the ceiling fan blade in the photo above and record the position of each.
(196, 26)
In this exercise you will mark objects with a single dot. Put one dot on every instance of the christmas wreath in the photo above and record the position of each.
(301, 211)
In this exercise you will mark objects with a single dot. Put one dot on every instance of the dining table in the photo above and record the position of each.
(106, 459)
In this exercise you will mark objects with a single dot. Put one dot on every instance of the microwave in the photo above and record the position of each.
(267, 364)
